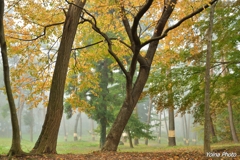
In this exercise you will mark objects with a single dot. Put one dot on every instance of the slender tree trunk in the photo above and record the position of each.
(103, 132)
(47, 140)
(75, 135)
(19, 111)
(231, 123)
(15, 147)
(165, 120)
(149, 117)
(207, 121)
(170, 105)
(93, 132)
(31, 125)
(212, 130)
(160, 127)
(64, 129)
(186, 130)
(130, 138)
(136, 140)
(80, 126)
(230, 112)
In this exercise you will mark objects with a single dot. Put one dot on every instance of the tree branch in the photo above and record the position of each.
(178, 24)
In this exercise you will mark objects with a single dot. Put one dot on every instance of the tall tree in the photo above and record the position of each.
(134, 89)
(47, 140)
(207, 84)
(16, 146)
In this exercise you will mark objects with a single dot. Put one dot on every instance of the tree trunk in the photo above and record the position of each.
(231, 123)
(186, 130)
(15, 147)
(130, 138)
(212, 130)
(170, 105)
(64, 129)
(75, 135)
(160, 127)
(136, 140)
(207, 121)
(47, 140)
(31, 125)
(103, 131)
(149, 117)
(80, 126)
(93, 132)
(165, 121)
(19, 111)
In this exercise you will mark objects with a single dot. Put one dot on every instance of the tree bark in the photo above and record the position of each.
(207, 121)
(15, 147)
(47, 140)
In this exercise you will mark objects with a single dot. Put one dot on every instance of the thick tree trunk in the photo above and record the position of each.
(47, 140)
(231, 123)
(207, 121)
(15, 147)
(75, 135)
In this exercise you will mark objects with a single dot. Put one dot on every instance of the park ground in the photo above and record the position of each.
(82, 150)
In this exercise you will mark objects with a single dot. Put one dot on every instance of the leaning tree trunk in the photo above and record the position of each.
(207, 121)
(47, 140)
(134, 90)
(16, 146)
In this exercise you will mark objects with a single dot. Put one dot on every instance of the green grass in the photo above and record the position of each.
(87, 146)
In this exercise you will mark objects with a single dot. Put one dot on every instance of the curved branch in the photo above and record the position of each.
(136, 20)
(178, 24)
(43, 34)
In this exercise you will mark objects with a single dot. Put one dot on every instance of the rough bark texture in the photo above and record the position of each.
(47, 140)
(207, 121)
(15, 147)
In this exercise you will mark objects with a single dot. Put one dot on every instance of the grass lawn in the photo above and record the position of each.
(87, 149)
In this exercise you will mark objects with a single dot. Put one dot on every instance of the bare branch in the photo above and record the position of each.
(178, 24)
(43, 34)
(136, 20)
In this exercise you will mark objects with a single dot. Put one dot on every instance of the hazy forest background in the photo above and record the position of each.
(110, 75)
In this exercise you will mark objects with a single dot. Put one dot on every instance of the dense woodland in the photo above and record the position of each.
(123, 64)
